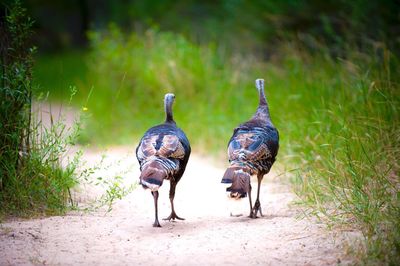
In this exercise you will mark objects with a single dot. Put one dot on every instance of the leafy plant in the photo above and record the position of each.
(103, 177)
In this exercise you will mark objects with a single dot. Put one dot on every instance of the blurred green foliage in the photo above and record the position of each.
(57, 72)
(131, 74)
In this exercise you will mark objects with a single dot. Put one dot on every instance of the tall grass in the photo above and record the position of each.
(349, 171)
(42, 185)
(338, 117)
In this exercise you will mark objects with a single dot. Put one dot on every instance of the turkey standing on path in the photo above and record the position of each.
(163, 153)
(252, 150)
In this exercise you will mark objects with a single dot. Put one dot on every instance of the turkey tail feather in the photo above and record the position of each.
(152, 176)
(239, 177)
(228, 176)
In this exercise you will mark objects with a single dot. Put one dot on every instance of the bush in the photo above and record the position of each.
(32, 177)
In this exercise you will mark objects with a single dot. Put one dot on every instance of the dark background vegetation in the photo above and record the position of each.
(338, 24)
(332, 76)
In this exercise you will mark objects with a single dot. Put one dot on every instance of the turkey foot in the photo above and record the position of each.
(256, 209)
(156, 224)
(252, 215)
(173, 216)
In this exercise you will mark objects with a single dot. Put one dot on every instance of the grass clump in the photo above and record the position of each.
(44, 180)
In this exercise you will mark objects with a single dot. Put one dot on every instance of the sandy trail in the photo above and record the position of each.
(208, 236)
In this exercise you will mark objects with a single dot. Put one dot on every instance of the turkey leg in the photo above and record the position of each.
(257, 205)
(155, 196)
(251, 215)
(173, 215)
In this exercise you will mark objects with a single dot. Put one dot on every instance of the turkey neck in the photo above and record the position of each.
(169, 100)
(263, 109)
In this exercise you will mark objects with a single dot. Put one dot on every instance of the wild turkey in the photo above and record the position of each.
(163, 153)
(252, 150)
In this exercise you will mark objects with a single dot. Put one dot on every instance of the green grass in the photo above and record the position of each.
(338, 118)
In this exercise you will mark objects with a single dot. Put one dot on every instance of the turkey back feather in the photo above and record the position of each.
(239, 177)
(254, 147)
(166, 148)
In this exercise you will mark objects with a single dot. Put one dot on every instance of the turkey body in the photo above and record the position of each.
(163, 153)
(252, 150)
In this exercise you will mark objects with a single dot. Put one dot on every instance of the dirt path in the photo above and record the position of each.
(208, 236)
